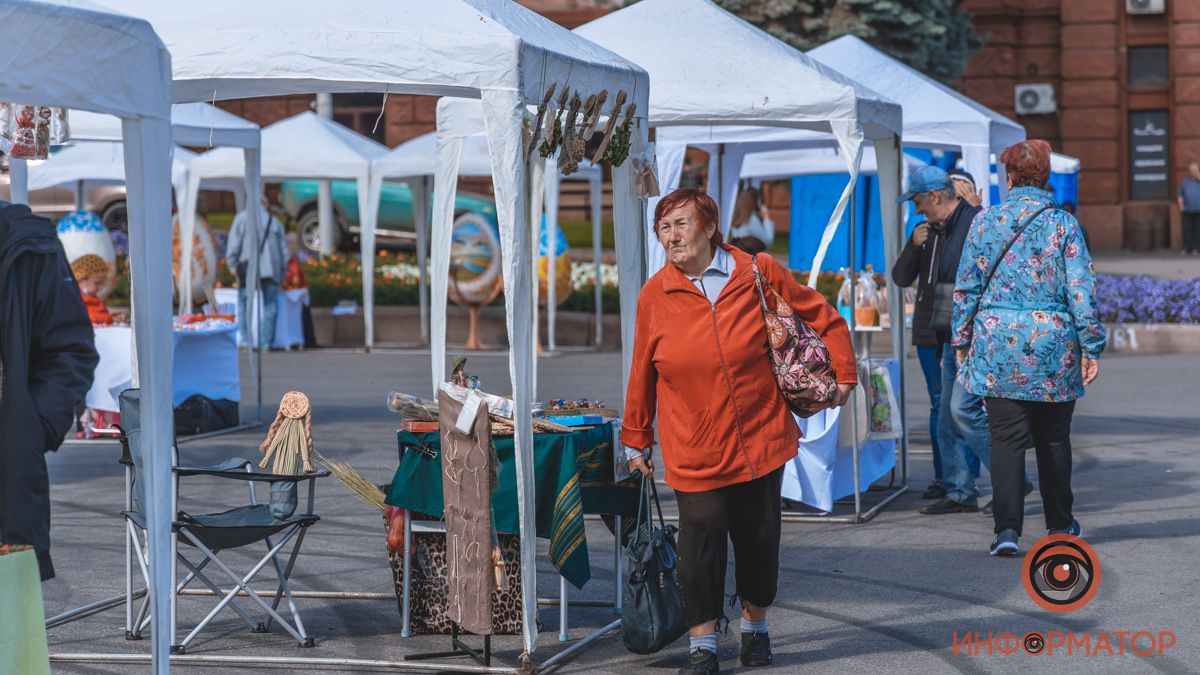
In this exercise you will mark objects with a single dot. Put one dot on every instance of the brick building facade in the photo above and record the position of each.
(1128, 101)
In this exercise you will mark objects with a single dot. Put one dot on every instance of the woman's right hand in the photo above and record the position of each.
(1091, 369)
(643, 465)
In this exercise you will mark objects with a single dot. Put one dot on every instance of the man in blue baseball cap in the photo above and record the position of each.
(958, 423)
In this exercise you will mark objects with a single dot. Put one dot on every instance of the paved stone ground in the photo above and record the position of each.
(885, 596)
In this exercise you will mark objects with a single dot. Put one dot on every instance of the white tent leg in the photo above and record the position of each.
(18, 176)
(367, 219)
(147, 158)
(449, 154)
(629, 225)
(503, 113)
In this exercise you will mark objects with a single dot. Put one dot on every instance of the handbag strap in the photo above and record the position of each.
(759, 282)
(1000, 258)
(644, 499)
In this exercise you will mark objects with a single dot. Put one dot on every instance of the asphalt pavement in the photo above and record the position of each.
(889, 595)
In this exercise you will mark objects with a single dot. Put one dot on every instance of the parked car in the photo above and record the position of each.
(106, 200)
(395, 229)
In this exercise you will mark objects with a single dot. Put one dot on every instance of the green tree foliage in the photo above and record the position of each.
(933, 36)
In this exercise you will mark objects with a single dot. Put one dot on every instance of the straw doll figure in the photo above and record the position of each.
(288, 448)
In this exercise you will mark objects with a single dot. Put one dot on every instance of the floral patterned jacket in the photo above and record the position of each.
(1038, 315)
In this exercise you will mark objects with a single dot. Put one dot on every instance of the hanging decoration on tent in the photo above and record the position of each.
(592, 110)
(534, 131)
(618, 148)
(645, 175)
(24, 132)
(288, 447)
(204, 261)
(83, 233)
(60, 126)
(610, 127)
(567, 166)
(554, 134)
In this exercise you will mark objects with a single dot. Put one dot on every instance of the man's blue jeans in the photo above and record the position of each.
(932, 370)
(964, 439)
(270, 299)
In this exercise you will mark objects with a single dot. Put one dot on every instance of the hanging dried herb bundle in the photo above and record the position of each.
(610, 127)
(553, 136)
(534, 133)
(618, 148)
(567, 165)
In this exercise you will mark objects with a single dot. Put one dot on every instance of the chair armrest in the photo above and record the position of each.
(255, 476)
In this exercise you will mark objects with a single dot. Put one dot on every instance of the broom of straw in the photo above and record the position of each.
(360, 486)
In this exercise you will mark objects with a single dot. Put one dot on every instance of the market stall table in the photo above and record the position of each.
(573, 476)
(206, 363)
(289, 317)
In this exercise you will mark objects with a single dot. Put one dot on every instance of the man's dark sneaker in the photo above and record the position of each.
(947, 505)
(1073, 529)
(701, 661)
(935, 490)
(756, 649)
(1005, 543)
(987, 509)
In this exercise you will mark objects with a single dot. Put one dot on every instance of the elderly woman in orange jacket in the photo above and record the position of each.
(700, 363)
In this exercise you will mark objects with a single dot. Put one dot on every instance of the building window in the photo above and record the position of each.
(1149, 68)
(360, 112)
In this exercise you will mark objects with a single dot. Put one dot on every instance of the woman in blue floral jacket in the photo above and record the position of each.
(1027, 340)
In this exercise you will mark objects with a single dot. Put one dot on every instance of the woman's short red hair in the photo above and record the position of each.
(706, 209)
(1027, 163)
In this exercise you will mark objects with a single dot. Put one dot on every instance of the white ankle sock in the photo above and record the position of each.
(706, 642)
(754, 626)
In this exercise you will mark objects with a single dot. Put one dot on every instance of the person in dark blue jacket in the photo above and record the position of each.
(47, 358)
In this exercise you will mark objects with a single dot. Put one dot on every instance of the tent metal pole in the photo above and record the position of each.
(574, 650)
(867, 338)
(296, 662)
(92, 608)
(562, 608)
(595, 195)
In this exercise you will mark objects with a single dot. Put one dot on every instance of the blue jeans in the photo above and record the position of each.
(964, 439)
(270, 299)
(932, 370)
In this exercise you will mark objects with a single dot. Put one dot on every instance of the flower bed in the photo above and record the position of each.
(1143, 299)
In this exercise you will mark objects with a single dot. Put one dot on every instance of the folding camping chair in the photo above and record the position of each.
(210, 534)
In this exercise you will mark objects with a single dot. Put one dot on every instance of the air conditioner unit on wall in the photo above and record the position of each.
(1035, 99)
(1145, 6)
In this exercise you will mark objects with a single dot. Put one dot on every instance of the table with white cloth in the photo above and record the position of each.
(206, 363)
(289, 315)
(823, 471)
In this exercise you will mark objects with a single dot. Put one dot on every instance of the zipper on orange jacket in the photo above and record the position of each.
(737, 415)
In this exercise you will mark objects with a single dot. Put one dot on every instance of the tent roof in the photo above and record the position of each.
(778, 164)
(935, 115)
(194, 124)
(85, 40)
(711, 68)
(224, 49)
(418, 157)
(94, 161)
(301, 146)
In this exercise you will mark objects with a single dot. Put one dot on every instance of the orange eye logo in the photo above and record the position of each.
(1061, 573)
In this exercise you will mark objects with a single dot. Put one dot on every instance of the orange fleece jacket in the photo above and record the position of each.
(704, 369)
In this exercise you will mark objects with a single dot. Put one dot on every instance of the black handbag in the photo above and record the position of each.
(652, 612)
(942, 314)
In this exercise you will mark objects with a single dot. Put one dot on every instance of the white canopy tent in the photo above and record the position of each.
(935, 116)
(302, 146)
(414, 163)
(770, 96)
(779, 164)
(100, 162)
(491, 49)
(78, 73)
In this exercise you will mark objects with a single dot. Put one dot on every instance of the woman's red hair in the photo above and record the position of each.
(1027, 163)
(706, 209)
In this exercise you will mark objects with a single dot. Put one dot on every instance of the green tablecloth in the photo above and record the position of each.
(573, 475)
(22, 618)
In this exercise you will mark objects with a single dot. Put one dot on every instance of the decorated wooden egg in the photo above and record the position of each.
(204, 257)
(83, 233)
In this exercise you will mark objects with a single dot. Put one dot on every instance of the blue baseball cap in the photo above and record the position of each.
(925, 179)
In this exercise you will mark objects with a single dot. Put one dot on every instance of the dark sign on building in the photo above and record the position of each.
(1149, 170)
